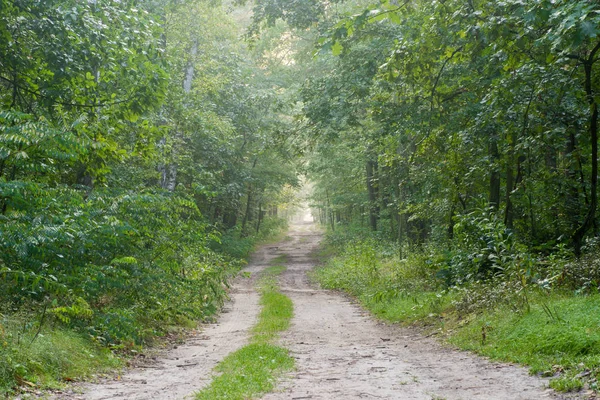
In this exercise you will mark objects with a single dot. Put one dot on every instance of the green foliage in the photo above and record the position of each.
(483, 249)
(80, 309)
(30, 147)
(299, 15)
(234, 244)
(376, 270)
(115, 253)
(134, 137)
(95, 45)
(583, 274)
(442, 109)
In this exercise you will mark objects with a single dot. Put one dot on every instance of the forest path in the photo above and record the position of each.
(341, 352)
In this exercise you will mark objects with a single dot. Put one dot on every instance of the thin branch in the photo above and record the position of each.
(33, 92)
(432, 96)
(439, 75)
(389, 11)
(593, 53)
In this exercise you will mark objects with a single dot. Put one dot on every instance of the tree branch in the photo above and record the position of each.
(94, 105)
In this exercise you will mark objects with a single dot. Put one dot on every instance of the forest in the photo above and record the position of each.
(450, 148)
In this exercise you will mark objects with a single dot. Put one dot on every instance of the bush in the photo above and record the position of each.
(582, 274)
(121, 253)
(371, 267)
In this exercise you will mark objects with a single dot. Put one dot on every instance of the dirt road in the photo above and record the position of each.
(341, 352)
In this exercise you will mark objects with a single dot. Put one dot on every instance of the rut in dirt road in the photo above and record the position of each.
(342, 353)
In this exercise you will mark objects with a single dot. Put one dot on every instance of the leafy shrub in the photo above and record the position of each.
(370, 267)
(121, 253)
(479, 296)
(582, 274)
(237, 245)
(485, 250)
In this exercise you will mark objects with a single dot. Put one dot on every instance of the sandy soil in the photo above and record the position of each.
(341, 352)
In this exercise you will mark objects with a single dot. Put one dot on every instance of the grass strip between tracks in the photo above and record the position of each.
(253, 369)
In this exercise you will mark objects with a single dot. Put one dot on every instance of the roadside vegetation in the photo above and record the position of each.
(44, 346)
(254, 369)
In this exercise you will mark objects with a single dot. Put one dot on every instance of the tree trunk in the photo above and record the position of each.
(169, 177)
(572, 206)
(169, 171)
(508, 212)
(260, 217)
(494, 199)
(189, 70)
(450, 230)
(247, 214)
(593, 131)
(83, 176)
(372, 191)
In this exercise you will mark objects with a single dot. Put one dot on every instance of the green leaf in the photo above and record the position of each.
(337, 48)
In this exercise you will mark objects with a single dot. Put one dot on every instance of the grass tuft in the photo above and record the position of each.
(274, 270)
(277, 311)
(49, 359)
(247, 372)
(253, 369)
(280, 259)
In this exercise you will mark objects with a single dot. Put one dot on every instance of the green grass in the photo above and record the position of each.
(412, 308)
(280, 259)
(273, 270)
(277, 309)
(563, 343)
(248, 372)
(53, 357)
(253, 369)
(275, 316)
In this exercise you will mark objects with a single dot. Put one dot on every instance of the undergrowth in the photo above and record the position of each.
(47, 357)
(557, 338)
(106, 271)
(253, 369)
(489, 296)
